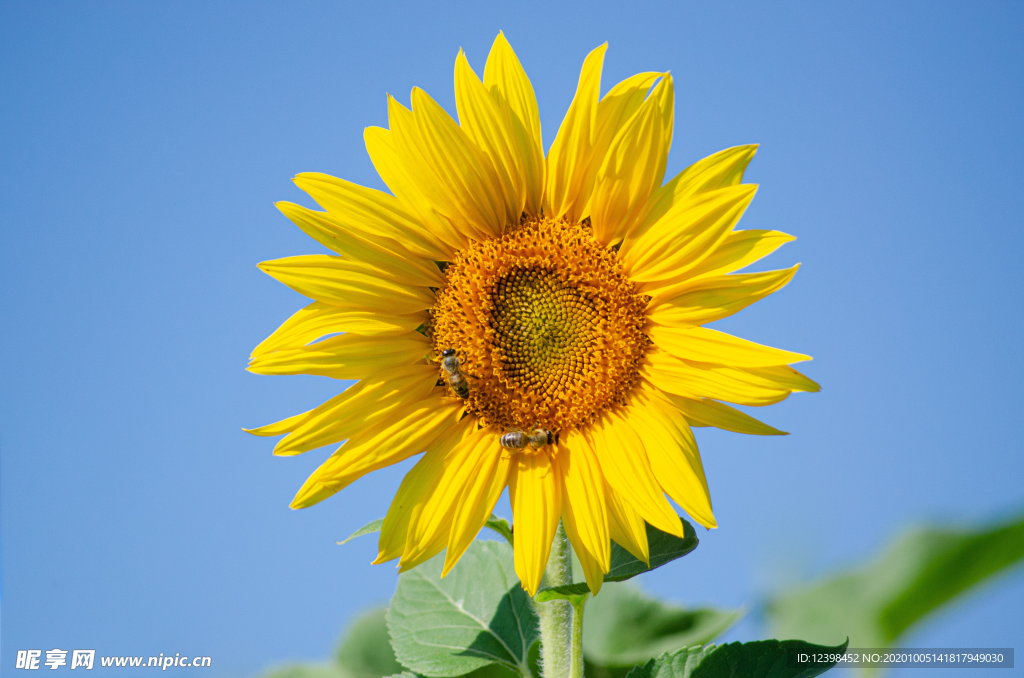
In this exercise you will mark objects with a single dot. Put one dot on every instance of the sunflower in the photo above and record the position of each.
(528, 321)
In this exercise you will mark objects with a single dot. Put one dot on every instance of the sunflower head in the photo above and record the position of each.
(528, 320)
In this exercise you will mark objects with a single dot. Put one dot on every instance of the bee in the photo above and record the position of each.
(456, 377)
(537, 438)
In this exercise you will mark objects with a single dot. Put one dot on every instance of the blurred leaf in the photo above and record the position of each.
(663, 548)
(489, 671)
(365, 650)
(622, 626)
(499, 525)
(306, 671)
(368, 528)
(476, 615)
(760, 659)
(876, 603)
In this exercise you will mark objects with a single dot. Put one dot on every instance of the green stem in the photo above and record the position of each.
(556, 618)
(576, 667)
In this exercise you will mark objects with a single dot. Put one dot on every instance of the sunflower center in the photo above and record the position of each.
(545, 324)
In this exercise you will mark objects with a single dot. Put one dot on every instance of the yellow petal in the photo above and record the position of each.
(417, 487)
(782, 376)
(626, 527)
(505, 78)
(332, 411)
(711, 346)
(708, 299)
(350, 284)
(349, 356)
(614, 112)
(584, 499)
(687, 234)
(719, 170)
(697, 380)
(592, 569)
(430, 527)
(374, 213)
(432, 198)
(569, 155)
(394, 263)
(536, 492)
(625, 466)
(383, 149)
(673, 454)
(417, 482)
(473, 199)
(366, 402)
(363, 409)
(319, 319)
(278, 428)
(398, 441)
(738, 250)
(489, 125)
(483, 489)
(633, 166)
(373, 324)
(704, 412)
(416, 178)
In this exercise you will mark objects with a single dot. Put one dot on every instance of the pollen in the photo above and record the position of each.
(547, 326)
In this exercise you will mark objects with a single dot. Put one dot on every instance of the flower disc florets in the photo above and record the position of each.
(545, 323)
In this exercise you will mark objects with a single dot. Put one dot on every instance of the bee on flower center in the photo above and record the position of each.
(456, 377)
(537, 438)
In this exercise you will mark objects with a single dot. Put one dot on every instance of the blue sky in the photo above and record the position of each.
(143, 146)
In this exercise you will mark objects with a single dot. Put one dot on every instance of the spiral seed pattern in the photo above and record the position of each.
(547, 323)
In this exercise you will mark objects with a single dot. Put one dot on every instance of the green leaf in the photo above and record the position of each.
(535, 667)
(663, 548)
(570, 592)
(501, 526)
(477, 615)
(368, 528)
(493, 671)
(920, 572)
(622, 626)
(365, 650)
(760, 659)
